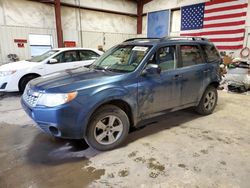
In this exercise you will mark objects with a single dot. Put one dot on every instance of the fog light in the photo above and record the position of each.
(54, 131)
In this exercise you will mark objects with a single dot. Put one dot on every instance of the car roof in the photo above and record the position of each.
(166, 40)
(74, 48)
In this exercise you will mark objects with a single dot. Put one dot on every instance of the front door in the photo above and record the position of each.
(65, 60)
(160, 92)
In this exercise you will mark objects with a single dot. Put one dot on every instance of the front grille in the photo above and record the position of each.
(30, 97)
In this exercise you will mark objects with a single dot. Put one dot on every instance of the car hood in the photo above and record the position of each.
(73, 79)
(17, 65)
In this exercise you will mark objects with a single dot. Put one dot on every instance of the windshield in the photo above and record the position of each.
(43, 56)
(122, 58)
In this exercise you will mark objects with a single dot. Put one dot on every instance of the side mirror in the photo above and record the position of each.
(52, 61)
(151, 69)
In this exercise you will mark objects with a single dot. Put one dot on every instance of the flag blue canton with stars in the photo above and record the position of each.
(192, 16)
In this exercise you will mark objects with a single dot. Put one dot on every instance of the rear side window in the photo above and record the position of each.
(190, 55)
(67, 56)
(87, 55)
(211, 53)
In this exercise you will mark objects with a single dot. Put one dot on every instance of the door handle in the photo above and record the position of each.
(206, 71)
(177, 76)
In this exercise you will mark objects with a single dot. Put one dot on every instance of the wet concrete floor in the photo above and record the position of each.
(182, 149)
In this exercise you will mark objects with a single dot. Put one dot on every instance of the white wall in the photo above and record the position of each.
(126, 6)
(19, 18)
(157, 5)
(97, 21)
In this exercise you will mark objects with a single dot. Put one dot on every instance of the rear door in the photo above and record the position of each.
(193, 66)
(86, 57)
(213, 60)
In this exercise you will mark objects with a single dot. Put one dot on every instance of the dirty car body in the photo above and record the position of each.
(151, 84)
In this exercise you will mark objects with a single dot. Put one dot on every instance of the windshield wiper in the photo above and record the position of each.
(98, 68)
(116, 70)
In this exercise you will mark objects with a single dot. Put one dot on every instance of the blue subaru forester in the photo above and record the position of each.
(134, 81)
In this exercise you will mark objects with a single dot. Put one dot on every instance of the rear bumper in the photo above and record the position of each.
(59, 122)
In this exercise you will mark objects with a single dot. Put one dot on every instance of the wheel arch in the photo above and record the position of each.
(214, 84)
(29, 74)
(120, 103)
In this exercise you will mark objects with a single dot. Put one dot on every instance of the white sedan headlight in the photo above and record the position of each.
(52, 100)
(6, 73)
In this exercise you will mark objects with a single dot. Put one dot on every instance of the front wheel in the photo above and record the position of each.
(208, 101)
(108, 128)
(24, 81)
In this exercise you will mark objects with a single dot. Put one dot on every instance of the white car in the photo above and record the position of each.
(15, 76)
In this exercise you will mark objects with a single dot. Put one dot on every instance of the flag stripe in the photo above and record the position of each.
(225, 16)
(214, 32)
(230, 47)
(226, 39)
(224, 20)
(227, 12)
(218, 2)
(238, 35)
(237, 43)
(234, 27)
(223, 4)
(233, 7)
(224, 24)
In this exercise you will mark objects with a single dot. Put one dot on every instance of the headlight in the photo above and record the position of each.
(52, 100)
(6, 73)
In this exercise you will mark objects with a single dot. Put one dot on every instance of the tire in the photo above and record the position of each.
(208, 101)
(107, 121)
(24, 81)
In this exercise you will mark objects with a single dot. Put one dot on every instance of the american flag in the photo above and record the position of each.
(221, 21)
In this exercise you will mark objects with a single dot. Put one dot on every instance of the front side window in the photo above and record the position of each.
(167, 58)
(125, 58)
(85, 55)
(211, 53)
(68, 56)
(42, 57)
(190, 55)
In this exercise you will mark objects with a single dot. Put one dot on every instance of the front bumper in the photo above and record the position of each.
(59, 121)
(8, 84)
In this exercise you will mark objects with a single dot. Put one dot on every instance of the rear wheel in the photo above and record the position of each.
(108, 128)
(24, 81)
(208, 101)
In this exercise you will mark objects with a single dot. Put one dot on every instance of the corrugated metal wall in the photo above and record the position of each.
(19, 18)
(9, 33)
(107, 40)
(89, 39)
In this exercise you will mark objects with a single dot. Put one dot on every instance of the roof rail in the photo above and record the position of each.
(187, 38)
(134, 39)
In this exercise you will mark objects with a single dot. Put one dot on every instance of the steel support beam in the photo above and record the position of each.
(139, 16)
(58, 23)
(140, 4)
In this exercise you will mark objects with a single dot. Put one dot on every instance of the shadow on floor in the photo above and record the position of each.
(11, 94)
(161, 123)
(46, 150)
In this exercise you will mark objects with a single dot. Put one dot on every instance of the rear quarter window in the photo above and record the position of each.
(211, 53)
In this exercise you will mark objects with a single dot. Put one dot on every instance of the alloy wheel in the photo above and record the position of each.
(108, 130)
(210, 100)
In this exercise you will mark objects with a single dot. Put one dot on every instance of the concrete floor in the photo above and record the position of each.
(182, 150)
